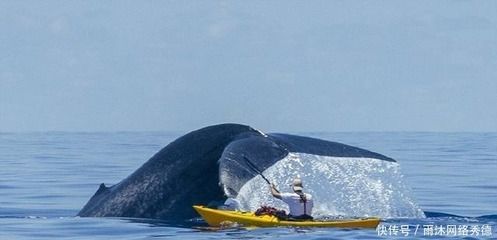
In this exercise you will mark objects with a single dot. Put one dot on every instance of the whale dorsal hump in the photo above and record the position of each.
(101, 189)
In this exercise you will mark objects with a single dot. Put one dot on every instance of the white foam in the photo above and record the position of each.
(339, 185)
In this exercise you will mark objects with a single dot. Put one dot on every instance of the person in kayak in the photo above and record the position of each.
(300, 203)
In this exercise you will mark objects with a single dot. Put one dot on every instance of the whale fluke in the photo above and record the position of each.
(202, 167)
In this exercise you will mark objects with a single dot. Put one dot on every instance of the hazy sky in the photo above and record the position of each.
(277, 66)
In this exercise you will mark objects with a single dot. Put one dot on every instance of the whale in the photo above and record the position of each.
(206, 166)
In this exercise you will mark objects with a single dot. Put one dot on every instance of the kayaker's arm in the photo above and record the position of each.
(275, 191)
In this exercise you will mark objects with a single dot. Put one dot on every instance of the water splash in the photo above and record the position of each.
(339, 185)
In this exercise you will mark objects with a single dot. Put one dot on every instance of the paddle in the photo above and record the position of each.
(255, 169)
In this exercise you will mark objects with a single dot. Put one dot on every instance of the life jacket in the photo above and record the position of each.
(303, 199)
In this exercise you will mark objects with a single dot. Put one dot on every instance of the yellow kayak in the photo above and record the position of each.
(217, 218)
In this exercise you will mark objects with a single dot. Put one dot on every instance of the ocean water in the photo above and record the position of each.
(47, 177)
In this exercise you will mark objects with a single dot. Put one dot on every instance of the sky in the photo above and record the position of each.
(275, 65)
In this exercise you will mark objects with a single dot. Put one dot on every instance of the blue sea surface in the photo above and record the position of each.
(47, 177)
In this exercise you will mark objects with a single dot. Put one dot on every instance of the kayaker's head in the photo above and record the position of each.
(297, 185)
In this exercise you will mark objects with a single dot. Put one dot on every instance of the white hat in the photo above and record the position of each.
(297, 184)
